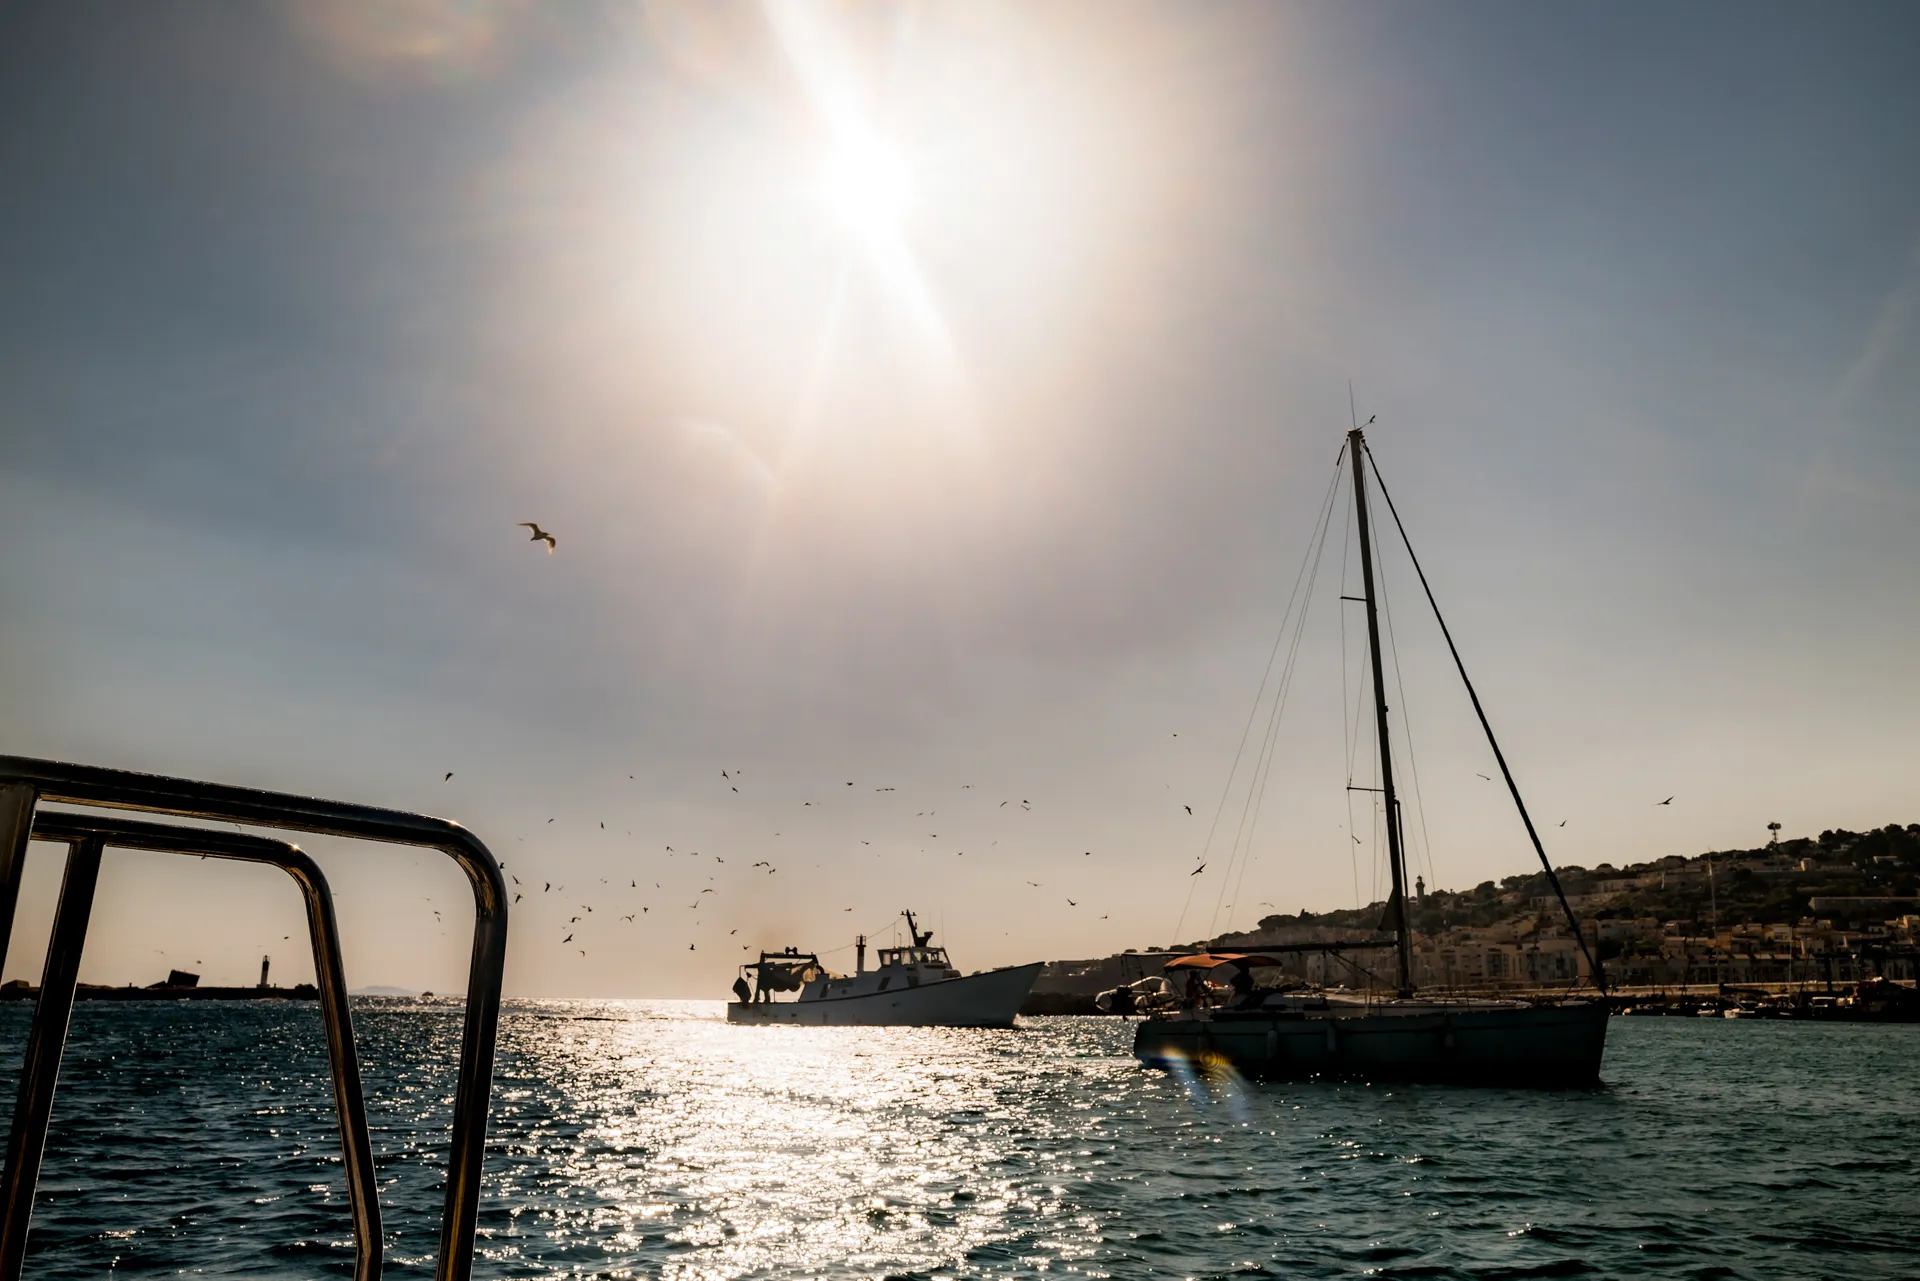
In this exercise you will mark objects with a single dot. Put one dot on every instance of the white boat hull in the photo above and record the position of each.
(989, 999)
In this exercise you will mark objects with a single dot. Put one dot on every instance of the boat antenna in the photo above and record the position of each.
(1397, 908)
(1593, 962)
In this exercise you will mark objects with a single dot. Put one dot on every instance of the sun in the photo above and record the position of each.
(869, 187)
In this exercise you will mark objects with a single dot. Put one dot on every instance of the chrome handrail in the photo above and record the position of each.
(83, 836)
(25, 782)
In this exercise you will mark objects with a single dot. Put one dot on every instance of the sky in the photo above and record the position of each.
(934, 407)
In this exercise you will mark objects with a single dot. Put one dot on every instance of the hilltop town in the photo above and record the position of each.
(1840, 907)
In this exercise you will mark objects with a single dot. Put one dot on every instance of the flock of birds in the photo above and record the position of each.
(731, 777)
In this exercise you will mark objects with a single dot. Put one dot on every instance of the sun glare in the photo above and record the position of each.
(869, 189)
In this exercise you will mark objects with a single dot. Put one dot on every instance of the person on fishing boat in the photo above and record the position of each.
(1244, 997)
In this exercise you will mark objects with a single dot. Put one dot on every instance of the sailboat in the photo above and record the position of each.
(1403, 1037)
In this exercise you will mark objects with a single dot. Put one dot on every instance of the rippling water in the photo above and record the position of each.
(650, 1139)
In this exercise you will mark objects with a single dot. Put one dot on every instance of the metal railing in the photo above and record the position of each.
(26, 783)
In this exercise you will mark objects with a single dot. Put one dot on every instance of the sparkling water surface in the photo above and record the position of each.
(652, 1139)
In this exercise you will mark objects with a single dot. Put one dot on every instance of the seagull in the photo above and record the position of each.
(1187, 808)
(549, 886)
(1071, 903)
(1035, 884)
(1668, 801)
(1563, 822)
(516, 898)
(516, 880)
(567, 939)
(689, 947)
(539, 535)
(1369, 421)
(1478, 774)
(1196, 871)
(449, 775)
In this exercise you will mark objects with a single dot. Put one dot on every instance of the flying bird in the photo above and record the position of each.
(1196, 871)
(449, 775)
(549, 886)
(1563, 822)
(1478, 774)
(567, 939)
(1668, 801)
(516, 898)
(1071, 903)
(539, 535)
(1187, 808)
(628, 917)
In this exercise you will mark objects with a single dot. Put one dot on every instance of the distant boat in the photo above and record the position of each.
(1404, 1037)
(913, 986)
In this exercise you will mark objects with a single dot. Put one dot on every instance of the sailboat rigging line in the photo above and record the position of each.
(1241, 855)
(1316, 541)
(1350, 730)
(1593, 961)
(1406, 727)
(1263, 765)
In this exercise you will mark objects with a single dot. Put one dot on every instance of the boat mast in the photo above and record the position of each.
(1403, 943)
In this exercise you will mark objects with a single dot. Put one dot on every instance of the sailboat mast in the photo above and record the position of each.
(1403, 942)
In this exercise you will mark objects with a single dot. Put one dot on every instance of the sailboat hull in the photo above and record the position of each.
(1553, 1045)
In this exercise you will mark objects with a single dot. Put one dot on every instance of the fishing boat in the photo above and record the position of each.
(1402, 1035)
(911, 986)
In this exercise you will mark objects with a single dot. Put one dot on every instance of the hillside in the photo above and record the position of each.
(1843, 905)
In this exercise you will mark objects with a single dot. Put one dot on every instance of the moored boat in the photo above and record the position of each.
(911, 986)
(1397, 1037)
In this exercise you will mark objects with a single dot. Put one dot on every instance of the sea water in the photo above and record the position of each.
(652, 1139)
